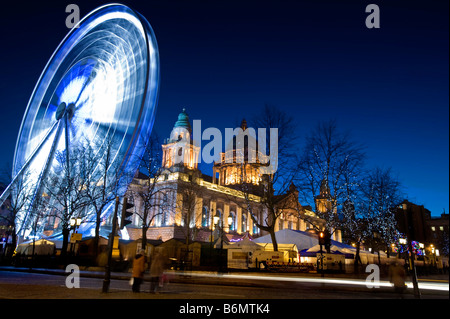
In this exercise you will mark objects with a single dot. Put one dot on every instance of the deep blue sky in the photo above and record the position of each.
(223, 60)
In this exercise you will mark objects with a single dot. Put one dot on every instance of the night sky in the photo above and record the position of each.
(224, 60)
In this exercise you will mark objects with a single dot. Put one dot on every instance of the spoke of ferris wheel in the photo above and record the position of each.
(86, 83)
(44, 172)
(66, 135)
(7, 190)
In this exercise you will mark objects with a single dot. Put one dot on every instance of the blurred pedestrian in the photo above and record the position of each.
(397, 276)
(138, 270)
(157, 268)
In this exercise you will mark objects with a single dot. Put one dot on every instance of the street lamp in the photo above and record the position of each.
(75, 222)
(230, 221)
(216, 219)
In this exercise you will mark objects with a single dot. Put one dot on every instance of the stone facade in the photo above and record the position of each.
(192, 200)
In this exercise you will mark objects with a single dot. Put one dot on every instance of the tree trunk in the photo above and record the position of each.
(97, 235)
(274, 239)
(357, 259)
(32, 253)
(144, 237)
(65, 243)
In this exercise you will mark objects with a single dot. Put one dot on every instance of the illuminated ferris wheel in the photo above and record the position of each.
(101, 84)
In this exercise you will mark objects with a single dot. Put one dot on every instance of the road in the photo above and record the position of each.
(23, 285)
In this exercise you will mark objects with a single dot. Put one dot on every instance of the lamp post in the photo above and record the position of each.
(107, 279)
(74, 224)
(217, 218)
(411, 253)
(219, 224)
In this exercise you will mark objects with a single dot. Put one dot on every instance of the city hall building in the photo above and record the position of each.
(192, 206)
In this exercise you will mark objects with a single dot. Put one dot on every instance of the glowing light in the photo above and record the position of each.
(106, 72)
(332, 281)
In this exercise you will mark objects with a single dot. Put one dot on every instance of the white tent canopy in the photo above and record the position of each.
(245, 244)
(333, 249)
(41, 247)
(302, 240)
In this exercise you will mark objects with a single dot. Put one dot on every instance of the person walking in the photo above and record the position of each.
(397, 276)
(156, 271)
(138, 270)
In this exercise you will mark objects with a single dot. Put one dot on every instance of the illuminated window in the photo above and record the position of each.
(205, 217)
(233, 223)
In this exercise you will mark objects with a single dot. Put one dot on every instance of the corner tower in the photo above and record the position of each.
(179, 149)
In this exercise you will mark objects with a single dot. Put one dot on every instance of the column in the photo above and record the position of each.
(198, 212)
(239, 219)
(226, 212)
(302, 225)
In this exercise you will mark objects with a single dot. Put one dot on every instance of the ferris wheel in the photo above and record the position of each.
(101, 84)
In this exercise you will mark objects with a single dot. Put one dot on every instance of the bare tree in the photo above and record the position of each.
(150, 193)
(66, 191)
(191, 193)
(21, 192)
(37, 217)
(102, 179)
(329, 168)
(276, 186)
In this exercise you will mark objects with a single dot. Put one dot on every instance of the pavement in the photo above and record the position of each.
(336, 282)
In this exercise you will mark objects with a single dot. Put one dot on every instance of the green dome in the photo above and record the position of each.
(183, 120)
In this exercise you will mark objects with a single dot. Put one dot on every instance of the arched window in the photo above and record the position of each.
(244, 223)
(160, 218)
(164, 217)
(205, 217)
(233, 221)
(255, 229)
